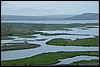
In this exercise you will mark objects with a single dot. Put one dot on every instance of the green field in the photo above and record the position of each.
(77, 42)
(45, 58)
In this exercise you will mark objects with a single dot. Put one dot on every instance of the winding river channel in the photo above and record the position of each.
(17, 54)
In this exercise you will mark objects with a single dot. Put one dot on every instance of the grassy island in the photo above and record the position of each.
(6, 38)
(18, 46)
(77, 42)
(94, 62)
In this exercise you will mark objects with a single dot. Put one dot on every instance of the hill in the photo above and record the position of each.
(85, 16)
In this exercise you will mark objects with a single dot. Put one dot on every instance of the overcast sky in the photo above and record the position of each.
(36, 8)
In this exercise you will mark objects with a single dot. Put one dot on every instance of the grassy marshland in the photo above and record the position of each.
(6, 38)
(88, 62)
(77, 42)
(18, 46)
(45, 58)
(20, 29)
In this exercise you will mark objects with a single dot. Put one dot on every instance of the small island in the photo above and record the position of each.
(18, 46)
(6, 38)
(77, 42)
(94, 62)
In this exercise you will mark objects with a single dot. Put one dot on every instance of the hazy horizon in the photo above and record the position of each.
(44, 8)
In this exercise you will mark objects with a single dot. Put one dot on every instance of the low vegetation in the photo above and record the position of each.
(77, 42)
(6, 38)
(18, 46)
(24, 29)
(45, 58)
(88, 62)
(92, 27)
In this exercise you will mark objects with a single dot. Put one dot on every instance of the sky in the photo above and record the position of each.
(39, 8)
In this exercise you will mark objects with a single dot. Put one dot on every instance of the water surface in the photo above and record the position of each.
(77, 58)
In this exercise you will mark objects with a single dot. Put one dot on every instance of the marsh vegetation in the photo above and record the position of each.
(45, 58)
(18, 46)
(77, 42)
(32, 33)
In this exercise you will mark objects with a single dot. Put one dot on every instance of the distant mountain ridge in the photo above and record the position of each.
(30, 18)
(85, 16)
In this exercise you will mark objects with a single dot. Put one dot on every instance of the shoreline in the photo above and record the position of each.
(19, 47)
(47, 59)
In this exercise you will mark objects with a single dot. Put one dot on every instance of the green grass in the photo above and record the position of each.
(87, 61)
(45, 58)
(18, 46)
(6, 38)
(77, 42)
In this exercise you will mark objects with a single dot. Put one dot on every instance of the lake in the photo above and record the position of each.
(54, 21)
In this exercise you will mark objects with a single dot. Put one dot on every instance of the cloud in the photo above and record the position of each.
(48, 7)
